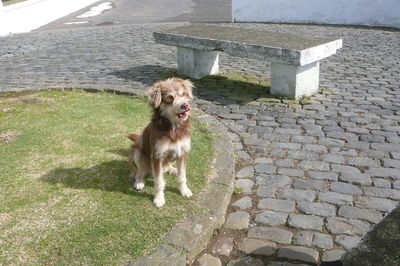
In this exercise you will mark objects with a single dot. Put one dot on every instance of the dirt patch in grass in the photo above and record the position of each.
(65, 192)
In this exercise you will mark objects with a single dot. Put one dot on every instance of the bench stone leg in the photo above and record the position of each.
(294, 81)
(197, 64)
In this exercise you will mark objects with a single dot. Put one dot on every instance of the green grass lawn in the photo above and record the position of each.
(65, 194)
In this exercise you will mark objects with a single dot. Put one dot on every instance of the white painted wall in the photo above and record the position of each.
(353, 12)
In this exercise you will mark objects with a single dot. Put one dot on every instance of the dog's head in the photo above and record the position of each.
(173, 97)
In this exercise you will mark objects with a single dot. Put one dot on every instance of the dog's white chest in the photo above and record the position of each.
(172, 150)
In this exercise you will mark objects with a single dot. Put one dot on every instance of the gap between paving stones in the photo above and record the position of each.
(191, 235)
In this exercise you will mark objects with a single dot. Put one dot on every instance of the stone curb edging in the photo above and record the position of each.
(190, 236)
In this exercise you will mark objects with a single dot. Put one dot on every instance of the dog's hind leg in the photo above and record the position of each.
(183, 188)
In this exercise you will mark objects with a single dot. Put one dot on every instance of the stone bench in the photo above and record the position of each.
(294, 58)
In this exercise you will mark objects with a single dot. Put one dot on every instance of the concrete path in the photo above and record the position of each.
(315, 174)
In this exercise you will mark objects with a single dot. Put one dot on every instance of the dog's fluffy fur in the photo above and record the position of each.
(166, 139)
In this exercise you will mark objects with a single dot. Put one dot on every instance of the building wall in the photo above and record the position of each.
(344, 12)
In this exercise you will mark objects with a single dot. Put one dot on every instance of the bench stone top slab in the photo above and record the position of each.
(270, 46)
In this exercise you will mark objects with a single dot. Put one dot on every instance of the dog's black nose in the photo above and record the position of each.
(185, 106)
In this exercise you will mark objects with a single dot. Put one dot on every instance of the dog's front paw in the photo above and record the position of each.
(186, 192)
(139, 185)
(159, 200)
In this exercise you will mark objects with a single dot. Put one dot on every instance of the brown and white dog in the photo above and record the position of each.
(166, 139)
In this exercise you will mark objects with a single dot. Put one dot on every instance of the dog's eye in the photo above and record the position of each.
(169, 99)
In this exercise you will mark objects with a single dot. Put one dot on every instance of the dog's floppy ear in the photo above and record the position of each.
(154, 94)
(189, 87)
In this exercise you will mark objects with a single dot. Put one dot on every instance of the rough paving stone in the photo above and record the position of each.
(384, 172)
(246, 261)
(243, 203)
(321, 209)
(265, 169)
(337, 225)
(391, 163)
(381, 182)
(271, 234)
(208, 260)
(332, 255)
(323, 175)
(245, 172)
(299, 253)
(276, 205)
(302, 155)
(302, 139)
(358, 179)
(245, 184)
(307, 238)
(284, 263)
(298, 194)
(333, 158)
(396, 184)
(314, 166)
(274, 180)
(340, 168)
(291, 172)
(379, 204)
(336, 198)
(238, 220)
(289, 163)
(263, 160)
(348, 242)
(271, 218)
(331, 142)
(243, 155)
(308, 222)
(382, 192)
(315, 148)
(266, 191)
(363, 161)
(345, 188)
(257, 247)
(357, 213)
(223, 246)
(319, 185)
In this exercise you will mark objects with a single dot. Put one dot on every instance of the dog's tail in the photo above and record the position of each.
(134, 137)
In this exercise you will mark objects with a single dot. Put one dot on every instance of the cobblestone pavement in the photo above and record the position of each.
(315, 174)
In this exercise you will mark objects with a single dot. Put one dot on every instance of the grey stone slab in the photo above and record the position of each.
(290, 172)
(319, 185)
(298, 194)
(276, 205)
(332, 255)
(223, 246)
(289, 163)
(323, 175)
(335, 198)
(266, 191)
(299, 253)
(257, 247)
(381, 182)
(274, 180)
(250, 43)
(284, 145)
(345, 188)
(313, 208)
(323, 241)
(384, 173)
(271, 234)
(315, 148)
(245, 261)
(396, 184)
(272, 218)
(265, 168)
(302, 155)
(336, 225)
(382, 192)
(355, 178)
(243, 203)
(379, 204)
(314, 166)
(307, 222)
(208, 260)
(348, 242)
(358, 213)
(340, 168)
(333, 158)
(245, 172)
(245, 184)
(237, 220)
(363, 161)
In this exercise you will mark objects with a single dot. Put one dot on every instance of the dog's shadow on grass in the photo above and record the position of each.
(106, 176)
